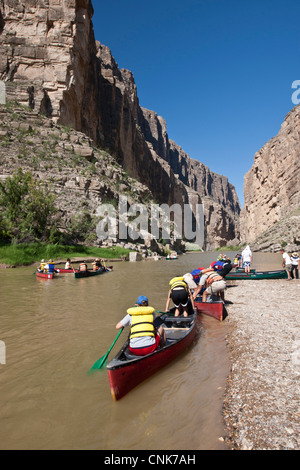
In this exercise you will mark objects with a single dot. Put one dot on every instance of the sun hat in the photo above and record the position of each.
(141, 299)
(188, 277)
(295, 255)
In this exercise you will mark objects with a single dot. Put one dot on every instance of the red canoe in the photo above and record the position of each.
(45, 275)
(126, 370)
(65, 271)
(213, 309)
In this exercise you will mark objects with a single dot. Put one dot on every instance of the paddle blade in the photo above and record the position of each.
(103, 360)
(100, 363)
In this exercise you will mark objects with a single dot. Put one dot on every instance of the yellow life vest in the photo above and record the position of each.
(178, 282)
(141, 322)
(42, 266)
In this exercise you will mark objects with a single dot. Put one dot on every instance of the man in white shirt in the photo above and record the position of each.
(247, 258)
(287, 263)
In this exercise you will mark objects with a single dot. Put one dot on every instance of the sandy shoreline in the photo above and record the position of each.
(262, 400)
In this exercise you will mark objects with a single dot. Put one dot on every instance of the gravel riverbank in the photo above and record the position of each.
(262, 401)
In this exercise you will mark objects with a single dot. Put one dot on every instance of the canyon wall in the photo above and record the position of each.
(271, 214)
(51, 62)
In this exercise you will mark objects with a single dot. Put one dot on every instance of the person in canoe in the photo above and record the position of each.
(83, 267)
(69, 264)
(214, 285)
(49, 267)
(144, 337)
(41, 267)
(98, 264)
(180, 294)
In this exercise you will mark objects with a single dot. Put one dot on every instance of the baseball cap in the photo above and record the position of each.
(141, 299)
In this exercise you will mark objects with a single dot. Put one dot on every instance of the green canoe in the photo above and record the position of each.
(257, 275)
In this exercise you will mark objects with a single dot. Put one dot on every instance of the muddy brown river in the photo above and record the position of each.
(53, 333)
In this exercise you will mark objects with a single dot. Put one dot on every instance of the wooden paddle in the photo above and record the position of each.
(103, 360)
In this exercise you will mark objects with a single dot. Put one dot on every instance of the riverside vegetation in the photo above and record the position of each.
(52, 181)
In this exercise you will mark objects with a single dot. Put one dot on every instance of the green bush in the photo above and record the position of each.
(27, 207)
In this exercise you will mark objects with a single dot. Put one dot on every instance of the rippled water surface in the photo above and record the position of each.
(55, 330)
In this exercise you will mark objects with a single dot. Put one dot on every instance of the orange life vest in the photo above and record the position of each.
(212, 277)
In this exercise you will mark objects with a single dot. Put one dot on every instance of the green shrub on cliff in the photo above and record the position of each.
(27, 208)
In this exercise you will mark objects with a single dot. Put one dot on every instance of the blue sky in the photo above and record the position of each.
(220, 72)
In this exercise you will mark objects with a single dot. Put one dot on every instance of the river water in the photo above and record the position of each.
(53, 333)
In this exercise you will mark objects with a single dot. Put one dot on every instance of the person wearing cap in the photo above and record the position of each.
(213, 283)
(49, 267)
(41, 266)
(225, 269)
(295, 265)
(144, 337)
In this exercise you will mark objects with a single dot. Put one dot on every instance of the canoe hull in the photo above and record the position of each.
(65, 271)
(123, 378)
(257, 275)
(45, 275)
(83, 274)
(212, 309)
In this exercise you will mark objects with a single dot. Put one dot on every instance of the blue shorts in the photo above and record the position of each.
(246, 263)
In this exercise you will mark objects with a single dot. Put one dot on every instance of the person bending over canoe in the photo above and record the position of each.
(180, 294)
(214, 284)
(144, 338)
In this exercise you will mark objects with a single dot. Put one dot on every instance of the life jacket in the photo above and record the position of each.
(178, 282)
(141, 322)
(51, 268)
(42, 266)
(218, 265)
(212, 277)
(197, 274)
(82, 267)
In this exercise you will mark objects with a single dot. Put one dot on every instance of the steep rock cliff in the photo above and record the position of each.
(50, 61)
(272, 190)
(218, 196)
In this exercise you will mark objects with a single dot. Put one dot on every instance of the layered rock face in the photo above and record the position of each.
(218, 196)
(50, 61)
(272, 190)
(47, 56)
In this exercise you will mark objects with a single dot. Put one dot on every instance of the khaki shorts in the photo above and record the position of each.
(217, 286)
(288, 268)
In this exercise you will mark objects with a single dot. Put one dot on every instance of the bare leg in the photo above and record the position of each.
(204, 296)
(162, 335)
(177, 311)
(185, 312)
